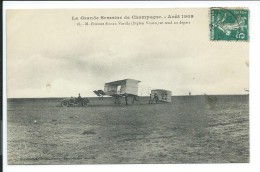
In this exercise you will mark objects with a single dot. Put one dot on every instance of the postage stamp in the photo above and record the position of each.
(229, 24)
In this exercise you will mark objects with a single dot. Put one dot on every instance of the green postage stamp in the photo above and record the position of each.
(229, 24)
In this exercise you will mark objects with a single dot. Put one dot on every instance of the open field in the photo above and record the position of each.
(191, 129)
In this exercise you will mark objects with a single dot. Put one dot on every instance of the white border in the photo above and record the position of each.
(122, 4)
(253, 166)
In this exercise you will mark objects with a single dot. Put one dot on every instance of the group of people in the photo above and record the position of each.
(153, 98)
(126, 96)
(73, 100)
(156, 98)
(79, 97)
(126, 99)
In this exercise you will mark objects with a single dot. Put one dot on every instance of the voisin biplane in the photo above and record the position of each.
(120, 89)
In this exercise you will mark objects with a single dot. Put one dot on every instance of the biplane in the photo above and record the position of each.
(120, 89)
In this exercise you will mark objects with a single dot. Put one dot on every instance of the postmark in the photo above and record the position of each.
(229, 24)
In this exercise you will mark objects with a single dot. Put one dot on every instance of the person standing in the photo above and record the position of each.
(150, 100)
(126, 99)
(134, 99)
(156, 98)
(79, 97)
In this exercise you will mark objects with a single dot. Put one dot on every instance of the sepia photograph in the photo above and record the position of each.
(128, 86)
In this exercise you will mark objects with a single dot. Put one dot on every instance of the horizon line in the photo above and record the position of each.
(138, 96)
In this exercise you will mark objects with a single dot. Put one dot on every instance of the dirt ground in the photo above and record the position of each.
(191, 129)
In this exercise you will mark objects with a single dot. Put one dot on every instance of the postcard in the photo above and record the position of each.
(128, 86)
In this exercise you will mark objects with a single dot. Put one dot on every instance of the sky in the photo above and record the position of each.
(48, 55)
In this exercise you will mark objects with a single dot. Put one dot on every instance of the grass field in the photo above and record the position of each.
(191, 129)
